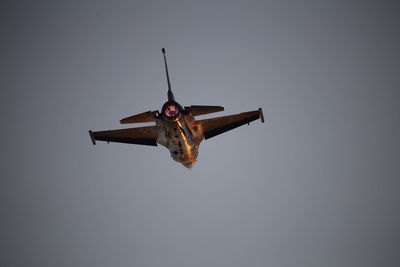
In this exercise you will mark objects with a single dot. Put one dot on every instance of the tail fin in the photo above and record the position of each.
(170, 94)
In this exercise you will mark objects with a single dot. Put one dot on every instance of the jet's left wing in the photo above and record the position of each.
(219, 125)
(140, 136)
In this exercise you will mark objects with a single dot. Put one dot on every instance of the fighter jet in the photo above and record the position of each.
(176, 127)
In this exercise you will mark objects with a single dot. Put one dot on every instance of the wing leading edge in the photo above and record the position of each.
(139, 136)
(215, 126)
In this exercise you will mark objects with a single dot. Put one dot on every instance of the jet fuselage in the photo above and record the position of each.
(179, 133)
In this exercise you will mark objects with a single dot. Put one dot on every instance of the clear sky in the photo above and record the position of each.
(317, 185)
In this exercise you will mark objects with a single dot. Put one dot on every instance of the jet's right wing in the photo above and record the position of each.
(140, 136)
(219, 125)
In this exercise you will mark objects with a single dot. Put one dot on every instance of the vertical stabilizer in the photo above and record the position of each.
(170, 94)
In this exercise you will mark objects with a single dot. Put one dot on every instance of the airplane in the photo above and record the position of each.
(176, 127)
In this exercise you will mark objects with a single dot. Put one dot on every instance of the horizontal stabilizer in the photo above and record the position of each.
(202, 110)
(139, 118)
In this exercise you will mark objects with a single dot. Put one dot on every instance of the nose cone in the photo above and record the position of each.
(189, 165)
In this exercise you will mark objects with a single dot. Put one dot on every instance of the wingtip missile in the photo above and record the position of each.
(92, 137)
(261, 115)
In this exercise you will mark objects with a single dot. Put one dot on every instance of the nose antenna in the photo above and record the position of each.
(170, 94)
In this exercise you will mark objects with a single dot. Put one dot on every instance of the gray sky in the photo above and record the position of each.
(317, 185)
